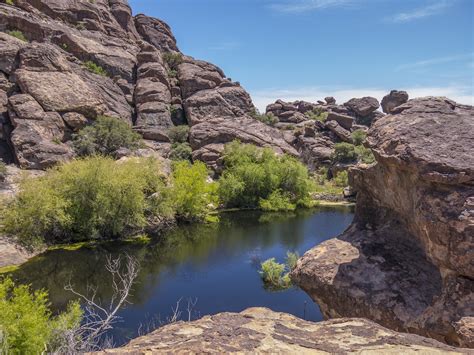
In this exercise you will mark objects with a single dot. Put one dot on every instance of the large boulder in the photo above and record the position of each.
(363, 106)
(261, 331)
(414, 222)
(394, 99)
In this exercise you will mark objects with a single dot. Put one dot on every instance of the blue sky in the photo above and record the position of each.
(308, 49)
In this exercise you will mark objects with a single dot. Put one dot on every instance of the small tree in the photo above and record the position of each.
(358, 136)
(344, 153)
(173, 60)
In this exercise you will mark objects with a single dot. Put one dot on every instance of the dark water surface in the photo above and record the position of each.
(217, 265)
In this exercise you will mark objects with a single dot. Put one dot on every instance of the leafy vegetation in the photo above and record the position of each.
(193, 197)
(317, 114)
(268, 118)
(179, 134)
(17, 34)
(3, 171)
(257, 177)
(344, 153)
(341, 179)
(95, 68)
(365, 154)
(10, 2)
(90, 198)
(180, 148)
(358, 136)
(26, 323)
(173, 60)
(276, 276)
(105, 136)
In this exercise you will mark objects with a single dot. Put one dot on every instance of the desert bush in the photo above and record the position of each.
(365, 154)
(252, 174)
(192, 195)
(317, 114)
(3, 171)
(173, 60)
(27, 325)
(277, 201)
(105, 136)
(95, 68)
(344, 153)
(276, 276)
(178, 134)
(17, 34)
(181, 151)
(291, 259)
(358, 136)
(267, 118)
(341, 179)
(89, 198)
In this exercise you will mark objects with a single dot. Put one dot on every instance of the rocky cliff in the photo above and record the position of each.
(65, 62)
(260, 330)
(407, 261)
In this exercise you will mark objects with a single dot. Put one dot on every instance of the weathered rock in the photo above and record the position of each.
(156, 32)
(314, 151)
(340, 132)
(330, 100)
(343, 120)
(74, 120)
(414, 222)
(394, 99)
(363, 106)
(260, 330)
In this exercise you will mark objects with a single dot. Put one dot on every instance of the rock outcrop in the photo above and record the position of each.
(407, 262)
(260, 330)
(83, 59)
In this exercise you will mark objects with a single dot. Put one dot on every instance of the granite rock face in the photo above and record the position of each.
(143, 79)
(260, 330)
(407, 261)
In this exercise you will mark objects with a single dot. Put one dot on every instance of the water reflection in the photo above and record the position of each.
(217, 264)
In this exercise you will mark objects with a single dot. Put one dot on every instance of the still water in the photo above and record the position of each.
(216, 266)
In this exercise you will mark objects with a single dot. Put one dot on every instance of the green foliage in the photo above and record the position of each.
(95, 68)
(341, 179)
(291, 259)
(269, 118)
(173, 60)
(89, 198)
(181, 151)
(317, 114)
(105, 136)
(26, 323)
(277, 201)
(172, 73)
(179, 134)
(10, 2)
(17, 34)
(193, 196)
(3, 171)
(358, 136)
(252, 174)
(344, 153)
(365, 155)
(276, 276)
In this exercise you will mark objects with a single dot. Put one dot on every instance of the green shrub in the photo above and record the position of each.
(358, 136)
(9, 2)
(179, 134)
(317, 114)
(173, 60)
(85, 199)
(181, 151)
(341, 179)
(268, 118)
(193, 196)
(95, 68)
(252, 174)
(344, 153)
(277, 201)
(26, 323)
(3, 171)
(276, 276)
(365, 155)
(105, 136)
(17, 34)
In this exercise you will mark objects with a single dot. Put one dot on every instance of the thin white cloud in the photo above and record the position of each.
(261, 98)
(435, 61)
(421, 12)
(298, 6)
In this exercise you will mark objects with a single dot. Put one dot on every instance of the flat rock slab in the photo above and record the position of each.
(260, 330)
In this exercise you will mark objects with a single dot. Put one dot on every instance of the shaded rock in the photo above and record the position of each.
(343, 134)
(413, 223)
(363, 106)
(394, 99)
(330, 100)
(314, 151)
(74, 120)
(343, 120)
(260, 330)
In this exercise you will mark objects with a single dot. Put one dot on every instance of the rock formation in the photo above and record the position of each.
(260, 330)
(83, 59)
(407, 261)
